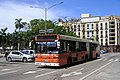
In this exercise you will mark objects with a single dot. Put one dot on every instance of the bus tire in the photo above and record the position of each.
(69, 61)
(97, 55)
(86, 58)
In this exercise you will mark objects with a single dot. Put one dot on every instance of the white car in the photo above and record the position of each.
(30, 52)
(18, 55)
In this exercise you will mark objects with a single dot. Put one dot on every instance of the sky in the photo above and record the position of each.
(15, 9)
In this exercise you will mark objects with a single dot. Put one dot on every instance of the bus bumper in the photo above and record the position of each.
(46, 64)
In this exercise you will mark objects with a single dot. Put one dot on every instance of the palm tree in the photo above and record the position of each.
(4, 39)
(19, 25)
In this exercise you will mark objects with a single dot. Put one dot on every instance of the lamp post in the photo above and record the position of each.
(45, 12)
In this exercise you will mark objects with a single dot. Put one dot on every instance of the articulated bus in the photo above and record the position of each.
(58, 50)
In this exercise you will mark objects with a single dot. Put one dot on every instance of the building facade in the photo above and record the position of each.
(105, 30)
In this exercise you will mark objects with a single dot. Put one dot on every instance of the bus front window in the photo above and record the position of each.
(40, 47)
(52, 47)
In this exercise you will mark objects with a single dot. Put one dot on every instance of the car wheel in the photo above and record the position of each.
(24, 59)
(9, 59)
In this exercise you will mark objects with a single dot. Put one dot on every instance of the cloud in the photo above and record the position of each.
(9, 11)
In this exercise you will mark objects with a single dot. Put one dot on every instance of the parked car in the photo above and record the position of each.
(18, 55)
(103, 51)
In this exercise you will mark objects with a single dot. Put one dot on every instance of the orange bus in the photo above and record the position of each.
(58, 50)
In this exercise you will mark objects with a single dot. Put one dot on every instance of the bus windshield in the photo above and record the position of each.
(46, 47)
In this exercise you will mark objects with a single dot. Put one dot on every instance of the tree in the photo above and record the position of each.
(39, 24)
(19, 25)
(4, 39)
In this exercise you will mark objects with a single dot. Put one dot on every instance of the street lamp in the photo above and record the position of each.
(46, 9)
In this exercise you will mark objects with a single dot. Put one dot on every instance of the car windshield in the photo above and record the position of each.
(49, 47)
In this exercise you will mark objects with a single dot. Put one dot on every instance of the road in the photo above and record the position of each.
(105, 68)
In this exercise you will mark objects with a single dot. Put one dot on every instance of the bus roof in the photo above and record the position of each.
(72, 38)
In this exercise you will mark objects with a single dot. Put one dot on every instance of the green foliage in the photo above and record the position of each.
(39, 24)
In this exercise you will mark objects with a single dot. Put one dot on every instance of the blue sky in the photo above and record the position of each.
(12, 9)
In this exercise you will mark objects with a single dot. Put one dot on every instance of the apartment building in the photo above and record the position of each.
(105, 29)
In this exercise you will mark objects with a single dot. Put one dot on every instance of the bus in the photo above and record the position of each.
(58, 50)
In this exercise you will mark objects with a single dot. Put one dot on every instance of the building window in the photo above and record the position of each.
(101, 33)
(96, 25)
(79, 33)
(74, 28)
(112, 42)
(87, 26)
(112, 35)
(87, 34)
(101, 41)
(96, 32)
(111, 38)
(101, 24)
(92, 26)
(106, 40)
(78, 27)
(92, 32)
(106, 34)
(101, 36)
(106, 26)
(112, 22)
(111, 30)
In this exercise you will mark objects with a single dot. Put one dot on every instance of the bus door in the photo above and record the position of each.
(91, 51)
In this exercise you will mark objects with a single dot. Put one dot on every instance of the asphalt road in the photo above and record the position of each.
(105, 68)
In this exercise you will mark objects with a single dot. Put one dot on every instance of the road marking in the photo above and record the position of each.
(105, 59)
(15, 64)
(116, 60)
(77, 72)
(95, 71)
(48, 73)
(31, 72)
(20, 67)
(65, 75)
(99, 59)
(8, 72)
(5, 69)
(111, 60)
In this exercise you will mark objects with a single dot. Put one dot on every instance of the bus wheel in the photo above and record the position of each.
(86, 58)
(97, 55)
(69, 61)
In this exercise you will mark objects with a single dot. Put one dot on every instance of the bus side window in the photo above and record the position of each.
(78, 49)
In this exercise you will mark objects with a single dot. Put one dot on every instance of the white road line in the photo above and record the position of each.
(5, 69)
(95, 71)
(116, 60)
(31, 72)
(20, 67)
(105, 59)
(8, 72)
(77, 72)
(111, 60)
(48, 73)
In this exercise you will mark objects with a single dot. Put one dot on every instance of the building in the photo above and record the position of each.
(105, 29)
